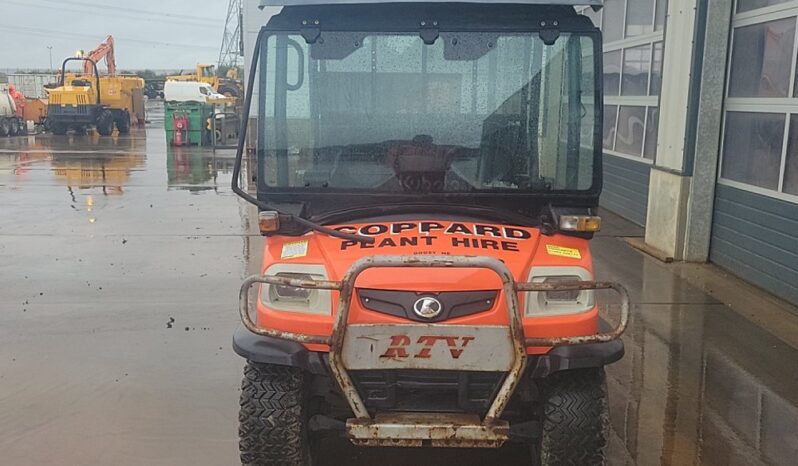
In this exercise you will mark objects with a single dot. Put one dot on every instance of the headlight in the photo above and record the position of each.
(295, 299)
(566, 296)
(291, 293)
(559, 302)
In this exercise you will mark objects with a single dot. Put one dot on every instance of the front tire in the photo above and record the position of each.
(575, 419)
(5, 127)
(273, 416)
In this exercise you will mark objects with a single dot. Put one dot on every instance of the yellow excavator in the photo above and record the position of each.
(230, 86)
(83, 100)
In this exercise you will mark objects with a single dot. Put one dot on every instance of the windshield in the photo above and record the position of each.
(471, 112)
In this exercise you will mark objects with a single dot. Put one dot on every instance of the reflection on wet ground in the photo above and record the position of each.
(700, 383)
(121, 264)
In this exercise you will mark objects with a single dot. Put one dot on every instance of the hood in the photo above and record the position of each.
(518, 247)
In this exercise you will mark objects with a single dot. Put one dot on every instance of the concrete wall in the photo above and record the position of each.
(669, 189)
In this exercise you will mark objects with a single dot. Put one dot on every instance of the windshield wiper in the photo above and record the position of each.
(242, 138)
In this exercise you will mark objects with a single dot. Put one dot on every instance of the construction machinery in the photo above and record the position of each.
(36, 111)
(104, 51)
(229, 86)
(17, 107)
(427, 178)
(86, 99)
(11, 118)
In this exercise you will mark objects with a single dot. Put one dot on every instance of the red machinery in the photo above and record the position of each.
(19, 100)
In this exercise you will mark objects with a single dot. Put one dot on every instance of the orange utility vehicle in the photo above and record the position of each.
(427, 179)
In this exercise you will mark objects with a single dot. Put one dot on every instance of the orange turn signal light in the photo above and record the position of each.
(268, 221)
(583, 223)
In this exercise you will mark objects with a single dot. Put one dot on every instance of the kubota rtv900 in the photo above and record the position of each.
(427, 178)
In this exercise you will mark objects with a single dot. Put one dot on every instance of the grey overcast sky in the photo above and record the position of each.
(154, 34)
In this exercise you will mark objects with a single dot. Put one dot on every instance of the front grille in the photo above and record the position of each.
(454, 303)
(426, 390)
(69, 110)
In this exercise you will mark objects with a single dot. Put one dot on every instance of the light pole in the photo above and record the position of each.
(50, 49)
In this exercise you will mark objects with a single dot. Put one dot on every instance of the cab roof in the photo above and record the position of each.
(265, 3)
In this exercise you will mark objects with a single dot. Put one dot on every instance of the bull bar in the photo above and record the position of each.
(415, 429)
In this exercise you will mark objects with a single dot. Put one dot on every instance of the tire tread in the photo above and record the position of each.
(271, 416)
(576, 419)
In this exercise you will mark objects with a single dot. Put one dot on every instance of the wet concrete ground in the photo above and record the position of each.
(120, 262)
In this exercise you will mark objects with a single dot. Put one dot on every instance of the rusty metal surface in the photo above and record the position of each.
(431, 429)
(614, 334)
(243, 306)
(516, 330)
(427, 346)
(517, 340)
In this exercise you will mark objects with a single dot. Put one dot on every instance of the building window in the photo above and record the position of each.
(759, 57)
(760, 139)
(757, 139)
(633, 47)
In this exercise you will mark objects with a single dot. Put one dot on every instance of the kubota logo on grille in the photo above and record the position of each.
(402, 346)
(428, 307)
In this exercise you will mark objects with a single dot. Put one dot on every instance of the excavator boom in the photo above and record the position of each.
(104, 50)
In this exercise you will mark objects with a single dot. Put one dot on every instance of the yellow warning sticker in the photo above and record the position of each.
(294, 249)
(562, 251)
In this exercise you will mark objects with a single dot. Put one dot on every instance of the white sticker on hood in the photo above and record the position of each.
(294, 249)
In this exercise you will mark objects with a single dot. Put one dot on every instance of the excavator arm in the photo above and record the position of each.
(104, 50)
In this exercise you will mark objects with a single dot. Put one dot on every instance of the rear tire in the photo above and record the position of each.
(123, 123)
(13, 126)
(575, 419)
(105, 123)
(273, 416)
(5, 127)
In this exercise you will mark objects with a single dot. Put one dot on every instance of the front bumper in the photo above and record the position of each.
(429, 347)
(72, 115)
(271, 350)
